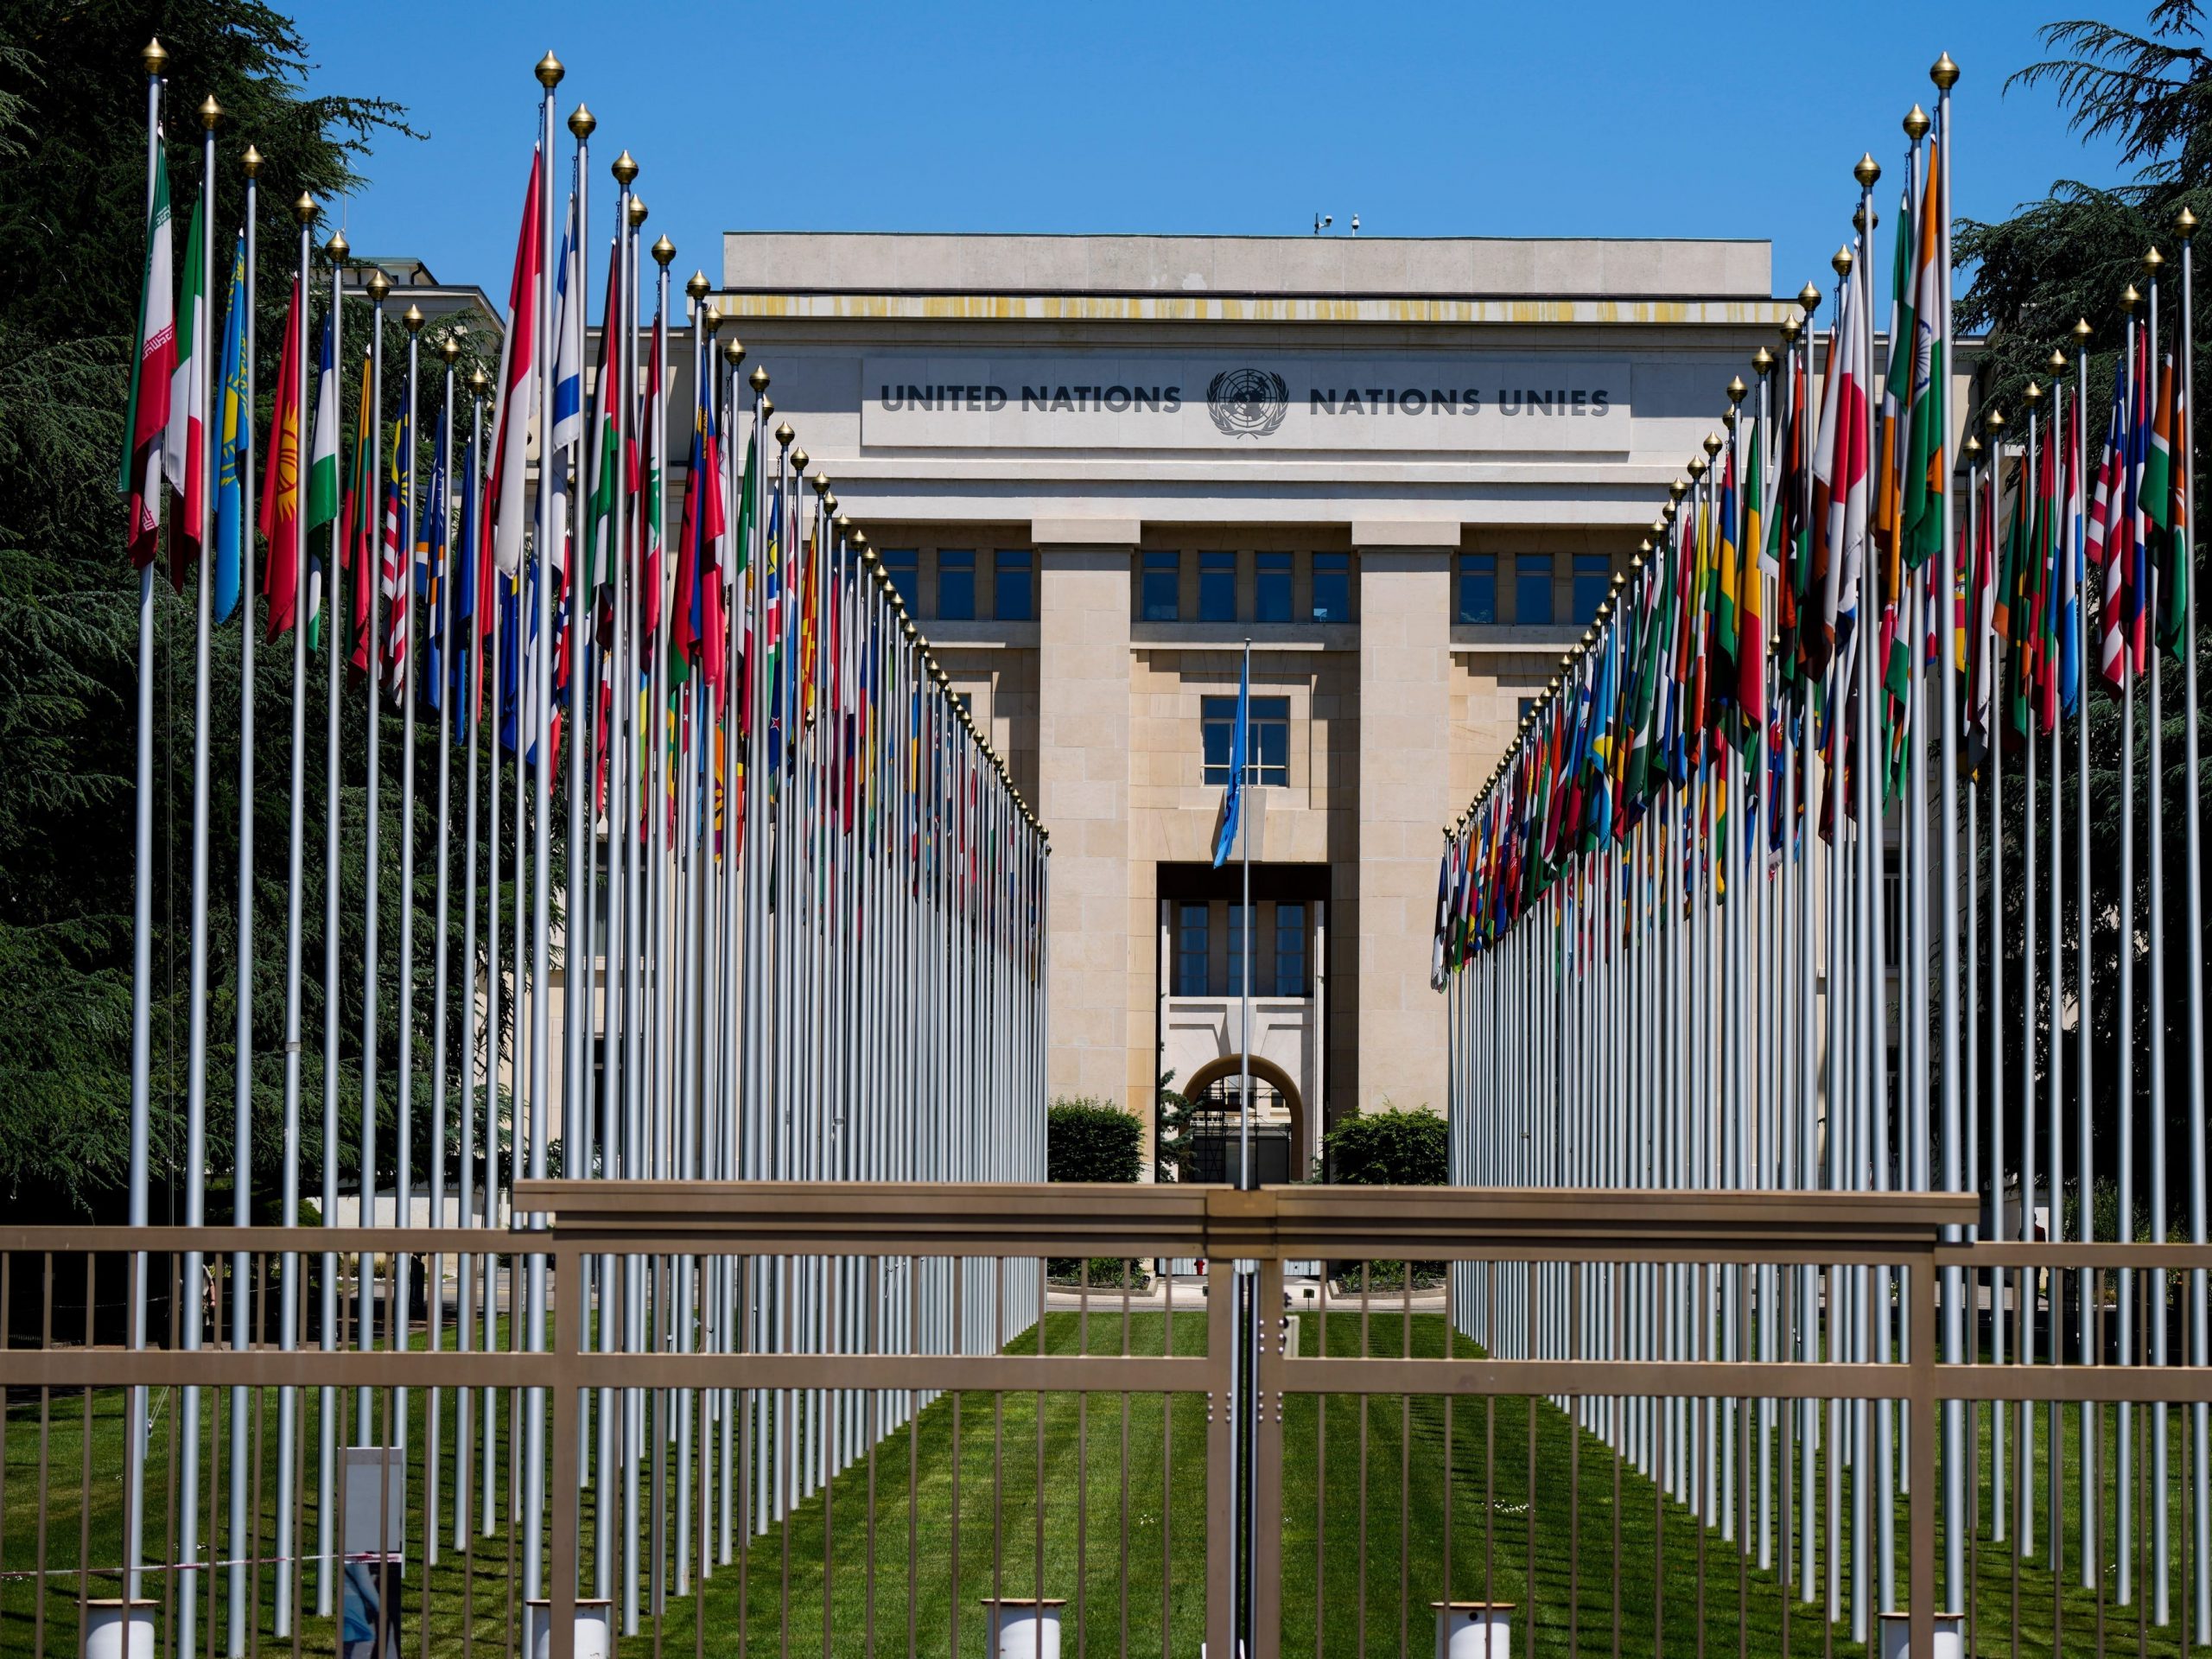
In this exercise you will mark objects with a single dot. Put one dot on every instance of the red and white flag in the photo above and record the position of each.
(506, 507)
(149, 419)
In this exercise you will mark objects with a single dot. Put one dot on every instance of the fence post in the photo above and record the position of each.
(1921, 1278)
(1221, 1457)
(569, 1321)
(1267, 1474)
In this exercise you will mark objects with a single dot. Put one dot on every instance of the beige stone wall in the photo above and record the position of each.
(1405, 777)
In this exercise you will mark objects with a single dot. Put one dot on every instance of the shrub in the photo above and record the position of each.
(1093, 1140)
(1388, 1148)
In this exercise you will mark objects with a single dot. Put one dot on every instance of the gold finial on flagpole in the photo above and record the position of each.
(799, 460)
(1728, 418)
(1867, 171)
(478, 380)
(338, 247)
(250, 162)
(2056, 361)
(733, 353)
(379, 285)
(624, 169)
(1677, 490)
(844, 520)
(2081, 332)
(153, 56)
(2034, 393)
(448, 348)
(767, 405)
(1792, 326)
(1736, 390)
(757, 379)
(1944, 73)
(664, 250)
(1659, 526)
(549, 70)
(1993, 422)
(1917, 123)
(820, 481)
(2152, 260)
(2129, 299)
(1763, 361)
(637, 212)
(1808, 299)
(1842, 262)
(697, 287)
(829, 500)
(1696, 468)
(1972, 445)
(859, 539)
(304, 209)
(784, 435)
(2185, 222)
(411, 319)
(211, 113)
(584, 123)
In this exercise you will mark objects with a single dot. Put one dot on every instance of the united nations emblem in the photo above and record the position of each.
(1247, 403)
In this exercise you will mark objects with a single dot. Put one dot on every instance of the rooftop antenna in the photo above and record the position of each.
(1322, 221)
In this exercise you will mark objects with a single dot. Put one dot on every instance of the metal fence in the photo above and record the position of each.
(835, 1471)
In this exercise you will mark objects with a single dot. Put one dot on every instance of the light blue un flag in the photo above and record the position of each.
(1232, 809)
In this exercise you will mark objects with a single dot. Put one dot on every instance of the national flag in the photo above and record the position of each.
(1727, 585)
(2175, 553)
(2157, 499)
(652, 423)
(322, 471)
(357, 536)
(185, 447)
(701, 637)
(146, 423)
(2068, 606)
(392, 579)
(430, 562)
(569, 339)
(1839, 482)
(233, 441)
(1233, 804)
(607, 394)
(280, 479)
(1762, 565)
(467, 637)
(1896, 385)
(503, 499)
(1926, 470)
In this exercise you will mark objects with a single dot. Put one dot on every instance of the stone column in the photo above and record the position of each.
(1082, 795)
(1405, 752)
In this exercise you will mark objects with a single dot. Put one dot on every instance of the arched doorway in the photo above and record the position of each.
(1279, 1149)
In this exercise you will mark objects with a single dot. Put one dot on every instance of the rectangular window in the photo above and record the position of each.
(1532, 592)
(1270, 739)
(1332, 586)
(1271, 588)
(955, 584)
(1217, 586)
(1593, 578)
(1290, 951)
(1191, 942)
(903, 565)
(1237, 922)
(1010, 592)
(1163, 579)
(1478, 587)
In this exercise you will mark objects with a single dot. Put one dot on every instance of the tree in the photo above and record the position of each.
(2067, 257)
(1388, 1148)
(71, 234)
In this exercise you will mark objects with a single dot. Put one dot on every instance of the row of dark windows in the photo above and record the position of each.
(1280, 955)
(1527, 597)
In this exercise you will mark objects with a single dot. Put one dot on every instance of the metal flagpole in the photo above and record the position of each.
(327, 1402)
(403, 1182)
(141, 932)
(195, 1298)
(2193, 953)
(2161, 379)
(365, 1318)
(442, 621)
(471, 1267)
(242, 1099)
(288, 1317)
(540, 693)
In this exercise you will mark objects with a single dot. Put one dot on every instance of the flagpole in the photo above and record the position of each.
(327, 1399)
(196, 1172)
(287, 1406)
(2193, 951)
(471, 1267)
(403, 1187)
(441, 684)
(364, 1316)
(2162, 381)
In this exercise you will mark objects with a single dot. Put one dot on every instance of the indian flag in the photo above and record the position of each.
(322, 469)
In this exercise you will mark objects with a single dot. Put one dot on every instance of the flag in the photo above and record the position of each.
(2175, 554)
(358, 534)
(1839, 482)
(700, 634)
(467, 638)
(503, 497)
(652, 424)
(2107, 529)
(184, 457)
(2158, 501)
(152, 367)
(322, 469)
(1232, 805)
(430, 560)
(234, 437)
(390, 575)
(607, 392)
(569, 339)
(1925, 469)
(1762, 561)
(2068, 608)
(279, 524)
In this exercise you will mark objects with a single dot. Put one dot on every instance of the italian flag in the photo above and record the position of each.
(148, 418)
(184, 447)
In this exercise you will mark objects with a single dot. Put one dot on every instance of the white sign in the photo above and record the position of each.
(1254, 404)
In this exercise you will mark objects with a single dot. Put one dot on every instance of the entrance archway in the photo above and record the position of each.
(1228, 1067)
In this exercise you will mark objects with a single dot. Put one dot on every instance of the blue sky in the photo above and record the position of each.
(1608, 117)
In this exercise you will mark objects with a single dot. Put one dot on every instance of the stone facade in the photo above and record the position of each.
(1403, 470)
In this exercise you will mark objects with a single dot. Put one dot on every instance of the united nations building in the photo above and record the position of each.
(1406, 470)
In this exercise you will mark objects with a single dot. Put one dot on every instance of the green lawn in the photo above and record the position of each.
(1133, 1575)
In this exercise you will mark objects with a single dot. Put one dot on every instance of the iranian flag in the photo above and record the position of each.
(184, 447)
(151, 368)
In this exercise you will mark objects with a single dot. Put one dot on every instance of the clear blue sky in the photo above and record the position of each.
(1608, 117)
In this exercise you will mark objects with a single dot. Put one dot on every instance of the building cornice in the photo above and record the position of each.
(740, 305)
